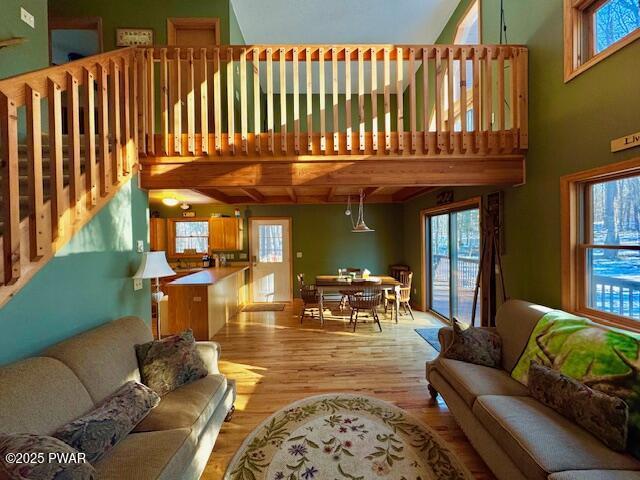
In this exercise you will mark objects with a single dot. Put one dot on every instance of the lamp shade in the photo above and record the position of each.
(154, 265)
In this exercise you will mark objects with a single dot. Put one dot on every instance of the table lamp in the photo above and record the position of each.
(154, 265)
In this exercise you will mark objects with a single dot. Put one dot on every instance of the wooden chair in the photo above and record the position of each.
(369, 299)
(310, 301)
(406, 279)
(346, 291)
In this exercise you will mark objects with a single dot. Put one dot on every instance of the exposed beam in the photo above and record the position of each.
(253, 194)
(370, 191)
(410, 192)
(331, 196)
(215, 194)
(399, 172)
(292, 194)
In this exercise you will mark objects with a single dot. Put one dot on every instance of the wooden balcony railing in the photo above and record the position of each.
(291, 100)
(67, 143)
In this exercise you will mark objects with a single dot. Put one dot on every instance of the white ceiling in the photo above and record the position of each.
(342, 21)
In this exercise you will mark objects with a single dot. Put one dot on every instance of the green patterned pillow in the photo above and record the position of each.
(170, 363)
(475, 345)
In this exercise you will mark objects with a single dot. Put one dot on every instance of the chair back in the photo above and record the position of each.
(369, 297)
(396, 269)
(300, 277)
(405, 278)
(309, 294)
(405, 294)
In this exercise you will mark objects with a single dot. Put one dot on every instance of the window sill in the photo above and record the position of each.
(609, 320)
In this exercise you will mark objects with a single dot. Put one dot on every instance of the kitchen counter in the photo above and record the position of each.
(210, 276)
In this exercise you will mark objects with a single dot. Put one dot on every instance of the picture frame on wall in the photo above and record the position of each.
(134, 37)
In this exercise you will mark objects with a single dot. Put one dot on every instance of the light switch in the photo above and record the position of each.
(243, 256)
(140, 246)
(27, 18)
(197, 299)
(299, 255)
(137, 284)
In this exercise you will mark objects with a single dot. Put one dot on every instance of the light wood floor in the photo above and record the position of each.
(276, 361)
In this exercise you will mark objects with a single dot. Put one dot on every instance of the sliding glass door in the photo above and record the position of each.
(453, 254)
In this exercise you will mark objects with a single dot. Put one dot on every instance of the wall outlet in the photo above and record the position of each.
(415, 291)
(298, 254)
(27, 18)
(197, 299)
(140, 246)
(137, 284)
(243, 256)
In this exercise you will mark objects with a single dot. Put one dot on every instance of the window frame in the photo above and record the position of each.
(579, 41)
(171, 245)
(425, 218)
(463, 18)
(576, 239)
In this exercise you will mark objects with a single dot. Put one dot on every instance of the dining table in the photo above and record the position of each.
(338, 283)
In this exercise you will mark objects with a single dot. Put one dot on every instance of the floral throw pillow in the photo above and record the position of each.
(604, 416)
(24, 456)
(475, 345)
(97, 432)
(171, 362)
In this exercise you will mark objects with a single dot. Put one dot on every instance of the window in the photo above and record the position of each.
(452, 258)
(191, 237)
(594, 29)
(602, 276)
(270, 248)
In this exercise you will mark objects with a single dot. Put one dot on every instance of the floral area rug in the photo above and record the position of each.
(342, 436)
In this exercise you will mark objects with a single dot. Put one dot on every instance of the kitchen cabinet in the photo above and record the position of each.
(158, 234)
(225, 234)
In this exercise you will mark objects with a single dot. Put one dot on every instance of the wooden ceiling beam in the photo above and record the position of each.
(253, 194)
(331, 196)
(292, 194)
(499, 170)
(410, 192)
(215, 194)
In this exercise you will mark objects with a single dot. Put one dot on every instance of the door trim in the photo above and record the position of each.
(289, 220)
(425, 239)
(193, 23)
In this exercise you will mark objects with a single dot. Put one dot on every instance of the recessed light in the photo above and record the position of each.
(170, 201)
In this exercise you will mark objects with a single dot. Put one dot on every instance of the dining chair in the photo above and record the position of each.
(406, 279)
(367, 300)
(346, 291)
(310, 301)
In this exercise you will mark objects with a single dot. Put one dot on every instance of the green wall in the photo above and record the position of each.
(323, 234)
(570, 127)
(34, 53)
(87, 283)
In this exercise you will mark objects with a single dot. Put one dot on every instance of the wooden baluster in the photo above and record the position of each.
(10, 189)
(177, 105)
(476, 98)
(296, 101)
(514, 97)
(126, 120)
(523, 103)
(442, 144)
(135, 100)
(361, 118)
(231, 120)
(151, 110)
(451, 103)
(374, 99)
(114, 108)
(34, 174)
(488, 107)
(412, 99)
(501, 99)
(270, 115)
(283, 101)
(466, 143)
(309, 101)
(400, 88)
(144, 104)
(204, 101)
(323, 107)
(347, 67)
(55, 157)
(164, 91)
(334, 104)
(191, 104)
(256, 98)
(425, 97)
(217, 99)
(73, 127)
(104, 165)
(387, 101)
(90, 139)
(244, 119)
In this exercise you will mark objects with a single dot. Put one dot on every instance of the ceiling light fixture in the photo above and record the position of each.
(359, 226)
(185, 206)
(170, 201)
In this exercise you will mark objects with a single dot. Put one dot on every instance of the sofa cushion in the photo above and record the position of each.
(471, 381)
(542, 441)
(36, 385)
(99, 430)
(104, 358)
(515, 321)
(189, 406)
(477, 345)
(150, 455)
(596, 475)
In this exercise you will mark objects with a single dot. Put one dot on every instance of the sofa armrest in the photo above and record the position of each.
(445, 337)
(210, 354)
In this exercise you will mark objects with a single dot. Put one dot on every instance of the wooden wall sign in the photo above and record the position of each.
(134, 37)
(623, 143)
(189, 214)
(444, 197)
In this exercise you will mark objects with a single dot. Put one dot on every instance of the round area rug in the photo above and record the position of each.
(342, 436)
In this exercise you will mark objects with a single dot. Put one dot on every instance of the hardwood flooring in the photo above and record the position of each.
(275, 360)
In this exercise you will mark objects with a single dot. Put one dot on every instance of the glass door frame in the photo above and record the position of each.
(425, 217)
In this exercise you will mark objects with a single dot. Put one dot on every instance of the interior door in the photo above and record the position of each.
(270, 251)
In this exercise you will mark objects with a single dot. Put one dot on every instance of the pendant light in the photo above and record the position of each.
(360, 226)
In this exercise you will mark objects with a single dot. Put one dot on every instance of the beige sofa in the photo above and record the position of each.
(174, 441)
(518, 437)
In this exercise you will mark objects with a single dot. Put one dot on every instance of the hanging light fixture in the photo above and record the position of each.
(360, 226)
